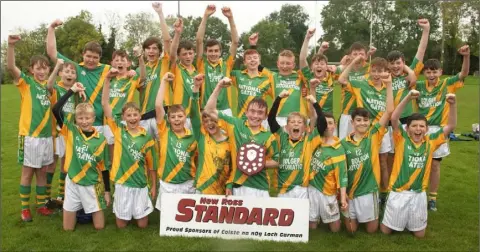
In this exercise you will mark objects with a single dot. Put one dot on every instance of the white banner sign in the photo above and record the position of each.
(196, 215)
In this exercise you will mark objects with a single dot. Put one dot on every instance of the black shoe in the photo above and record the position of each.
(50, 204)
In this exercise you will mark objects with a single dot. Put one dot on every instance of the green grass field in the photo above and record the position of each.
(454, 227)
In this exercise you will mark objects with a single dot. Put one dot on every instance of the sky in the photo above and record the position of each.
(30, 17)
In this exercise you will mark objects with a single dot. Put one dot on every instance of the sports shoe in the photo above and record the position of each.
(50, 204)
(432, 205)
(44, 211)
(26, 215)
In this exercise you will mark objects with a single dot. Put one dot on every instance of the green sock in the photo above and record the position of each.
(25, 196)
(49, 185)
(41, 195)
(432, 196)
(61, 185)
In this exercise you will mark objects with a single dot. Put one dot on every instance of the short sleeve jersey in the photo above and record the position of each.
(214, 157)
(182, 86)
(133, 155)
(326, 164)
(250, 87)
(348, 98)
(35, 108)
(92, 80)
(85, 157)
(291, 169)
(148, 91)
(122, 91)
(363, 164)
(213, 74)
(177, 154)
(412, 163)
(369, 97)
(324, 90)
(432, 102)
(400, 88)
(293, 84)
(240, 133)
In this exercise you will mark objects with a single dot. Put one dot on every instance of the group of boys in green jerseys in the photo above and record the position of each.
(149, 142)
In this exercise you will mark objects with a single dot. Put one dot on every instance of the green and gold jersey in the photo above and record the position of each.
(432, 102)
(291, 169)
(213, 74)
(121, 91)
(133, 155)
(148, 91)
(240, 133)
(293, 84)
(401, 88)
(92, 80)
(412, 163)
(249, 87)
(348, 98)
(35, 109)
(324, 90)
(182, 86)
(85, 157)
(363, 162)
(369, 97)
(214, 157)
(326, 164)
(177, 155)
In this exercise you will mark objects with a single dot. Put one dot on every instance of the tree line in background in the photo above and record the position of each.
(343, 22)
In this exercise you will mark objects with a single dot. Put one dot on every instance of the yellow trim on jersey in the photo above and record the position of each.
(42, 124)
(356, 181)
(128, 173)
(99, 86)
(82, 173)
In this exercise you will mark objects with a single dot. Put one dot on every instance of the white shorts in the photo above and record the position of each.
(60, 146)
(249, 191)
(265, 125)
(35, 152)
(444, 149)
(131, 202)
(101, 129)
(386, 145)
(282, 121)
(188, 123)
(322, 206)
(90, 198)
(164, 187)
(298, 192)
(406, 210)
(227, 112)
(390, 135)
(364, 208)
(150, 125)
(345, 126)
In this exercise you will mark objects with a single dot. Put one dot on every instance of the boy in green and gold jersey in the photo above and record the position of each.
(362, 149)
(134, 160)
(406, 205)
(178, 146)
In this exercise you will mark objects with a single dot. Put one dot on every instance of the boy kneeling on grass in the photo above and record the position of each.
(85, 157)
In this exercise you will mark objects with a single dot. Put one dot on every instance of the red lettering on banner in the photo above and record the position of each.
(286, 217)
(271, 215)
(211, 214)
(200, 209)
(255, 216)
(183, 208)
(241, 215)
(226, 214)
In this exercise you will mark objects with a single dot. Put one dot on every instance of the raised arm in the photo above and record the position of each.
(14, 70)
(411, 76)
(413, 94)
(272, 115)
(424, 40)
(138, 53)
(387, 80)
(311, 110)
(304, 51)
(227, 12)
(452, 115)
(53, 76)
(178, 26)
(343, 79)
(202, 27)
(321, 120)
(52, 41)
(465, 52)
(163, 26)
(107, 109)
(159, 110)
(77, 87)
(195, 109)
(211, 106)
